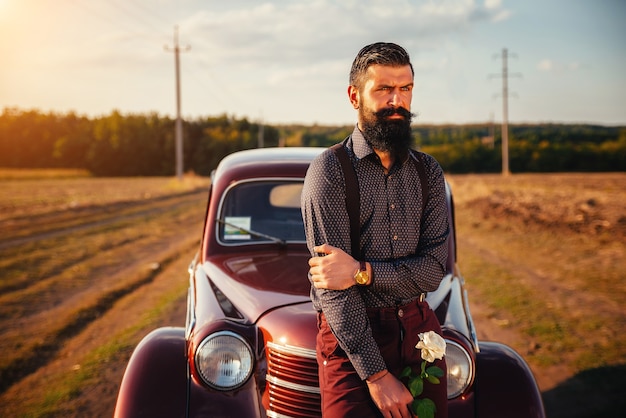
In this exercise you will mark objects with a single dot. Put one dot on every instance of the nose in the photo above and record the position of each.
(394, 99)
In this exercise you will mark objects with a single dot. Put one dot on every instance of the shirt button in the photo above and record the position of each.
(400, 313)
(395, 237)
(393, 206)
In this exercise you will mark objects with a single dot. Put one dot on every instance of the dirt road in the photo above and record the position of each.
(80, 287)
(67, 351)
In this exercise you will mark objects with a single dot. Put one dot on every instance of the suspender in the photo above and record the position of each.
(353, 198)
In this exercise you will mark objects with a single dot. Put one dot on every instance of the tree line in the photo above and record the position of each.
(143, 144)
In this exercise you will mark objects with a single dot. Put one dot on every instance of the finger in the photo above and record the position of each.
(323, 249)
(315, 261)
(396, 414)
(320, 284)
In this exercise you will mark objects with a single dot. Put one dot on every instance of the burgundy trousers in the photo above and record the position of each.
(396, 331)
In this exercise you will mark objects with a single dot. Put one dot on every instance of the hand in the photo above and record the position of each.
(335, 270)
(390, 396)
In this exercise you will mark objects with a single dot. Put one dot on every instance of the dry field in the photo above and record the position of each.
(89, 266)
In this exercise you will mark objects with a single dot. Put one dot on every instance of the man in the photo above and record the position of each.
(368, 331)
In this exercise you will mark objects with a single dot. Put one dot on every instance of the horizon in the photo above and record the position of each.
(307, 125)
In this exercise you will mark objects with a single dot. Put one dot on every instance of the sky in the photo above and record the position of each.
(287, 61)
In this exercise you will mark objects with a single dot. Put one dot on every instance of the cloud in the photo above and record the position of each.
(314, 31)
(296, 48)
(545, 65)
(548, 65)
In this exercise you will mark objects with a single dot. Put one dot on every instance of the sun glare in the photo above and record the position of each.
(4, 7)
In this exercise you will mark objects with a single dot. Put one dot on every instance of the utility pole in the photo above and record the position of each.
(261, 138)
(261, 134)
(179, 123)
(505, 112)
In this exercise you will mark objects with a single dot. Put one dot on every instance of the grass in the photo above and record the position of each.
(74, 265)
(37, 174)
(560, 290)
(563, 290)
(62, 269)
(37, 196)
(63, 388)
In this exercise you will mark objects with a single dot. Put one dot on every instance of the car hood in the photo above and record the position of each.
(256, 282)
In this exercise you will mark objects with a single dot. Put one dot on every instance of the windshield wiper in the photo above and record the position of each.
(253, 233)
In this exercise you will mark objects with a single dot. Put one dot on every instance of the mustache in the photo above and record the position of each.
(391, 111)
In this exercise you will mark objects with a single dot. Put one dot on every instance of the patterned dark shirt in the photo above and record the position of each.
(408, 257)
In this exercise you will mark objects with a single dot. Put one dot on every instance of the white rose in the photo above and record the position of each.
(432, 346)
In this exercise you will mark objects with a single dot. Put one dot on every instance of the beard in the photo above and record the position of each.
(388, 135)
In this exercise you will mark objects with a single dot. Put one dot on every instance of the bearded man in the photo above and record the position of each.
(371, 301)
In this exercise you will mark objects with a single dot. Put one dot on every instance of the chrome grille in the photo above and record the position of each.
(292, 382)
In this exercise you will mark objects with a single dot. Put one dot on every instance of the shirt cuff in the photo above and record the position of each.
(368, 363)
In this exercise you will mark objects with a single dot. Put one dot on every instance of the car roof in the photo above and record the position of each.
(268, 156)
(265, 162)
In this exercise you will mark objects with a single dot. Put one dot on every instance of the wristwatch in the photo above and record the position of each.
(360, 277)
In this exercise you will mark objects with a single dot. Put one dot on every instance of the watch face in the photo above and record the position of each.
(361, 277)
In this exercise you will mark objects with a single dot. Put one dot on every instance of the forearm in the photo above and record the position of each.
(408, 276)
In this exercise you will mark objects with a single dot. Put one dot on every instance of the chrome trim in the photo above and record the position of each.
(293, 350)
(292, 386)
(190, 318)
(470, 323)
(272, 414)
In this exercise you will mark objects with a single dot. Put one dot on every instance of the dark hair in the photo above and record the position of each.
(383, 53)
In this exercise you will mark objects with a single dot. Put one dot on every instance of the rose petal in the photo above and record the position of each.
(433, 346)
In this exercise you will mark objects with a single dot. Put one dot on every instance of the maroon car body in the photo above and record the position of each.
(248, 346)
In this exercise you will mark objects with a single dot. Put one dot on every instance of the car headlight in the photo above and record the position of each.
(224, 360)
(460, 369)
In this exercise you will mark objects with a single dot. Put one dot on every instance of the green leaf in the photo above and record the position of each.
(433, 379)
(406, 372)
(435, 371)
(416, 386)
(414, 405)
(425, 408)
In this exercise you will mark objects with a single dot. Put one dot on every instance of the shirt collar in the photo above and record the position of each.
(360, 147)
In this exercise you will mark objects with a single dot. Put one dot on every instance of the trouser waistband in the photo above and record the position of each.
(414, 307)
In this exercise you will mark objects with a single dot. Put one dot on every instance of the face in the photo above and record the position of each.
(385, 87)
(384, 103)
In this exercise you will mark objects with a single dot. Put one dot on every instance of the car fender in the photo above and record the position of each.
(155, 380)
(505, 385)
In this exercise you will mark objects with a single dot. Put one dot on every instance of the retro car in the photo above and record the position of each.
(248, 346)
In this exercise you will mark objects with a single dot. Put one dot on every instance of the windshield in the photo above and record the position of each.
(259, 211)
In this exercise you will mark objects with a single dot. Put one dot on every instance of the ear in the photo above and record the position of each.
(353, 95)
